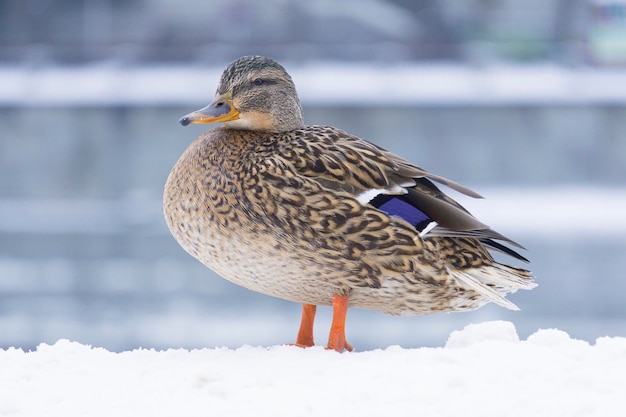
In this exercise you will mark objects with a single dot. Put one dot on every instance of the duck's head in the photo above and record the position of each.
(254, 93)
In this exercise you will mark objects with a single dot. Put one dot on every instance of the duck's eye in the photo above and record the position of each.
(257, 81)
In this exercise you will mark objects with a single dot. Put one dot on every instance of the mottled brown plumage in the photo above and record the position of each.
(289, 210)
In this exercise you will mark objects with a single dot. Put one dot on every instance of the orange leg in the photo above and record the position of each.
(337, 336)
(305, 334)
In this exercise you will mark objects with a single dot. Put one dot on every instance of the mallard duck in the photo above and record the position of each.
(318, 216)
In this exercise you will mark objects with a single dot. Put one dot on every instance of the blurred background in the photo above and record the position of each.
(524, 101)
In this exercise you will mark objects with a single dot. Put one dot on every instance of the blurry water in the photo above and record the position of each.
(85, 254)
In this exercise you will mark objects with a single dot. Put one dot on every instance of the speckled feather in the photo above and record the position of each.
(279, 213)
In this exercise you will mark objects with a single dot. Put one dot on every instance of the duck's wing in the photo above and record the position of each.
(342, 162)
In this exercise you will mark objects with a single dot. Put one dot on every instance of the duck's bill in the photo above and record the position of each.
(220, 110)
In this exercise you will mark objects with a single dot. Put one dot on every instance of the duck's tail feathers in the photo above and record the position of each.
(494, 282)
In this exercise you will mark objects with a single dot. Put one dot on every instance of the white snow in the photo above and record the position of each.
(484, 370)
(540, 211)
(326, 83)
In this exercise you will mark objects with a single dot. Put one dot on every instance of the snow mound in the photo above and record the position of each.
(483, 332)
(484, 370)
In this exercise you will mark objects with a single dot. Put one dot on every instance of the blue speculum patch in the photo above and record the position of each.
(396, 205)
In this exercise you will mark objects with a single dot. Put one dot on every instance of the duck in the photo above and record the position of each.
(320, 217)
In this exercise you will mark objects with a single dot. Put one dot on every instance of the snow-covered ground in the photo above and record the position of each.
(483, 370)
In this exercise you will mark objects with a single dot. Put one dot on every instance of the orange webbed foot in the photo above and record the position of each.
(339, 346)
